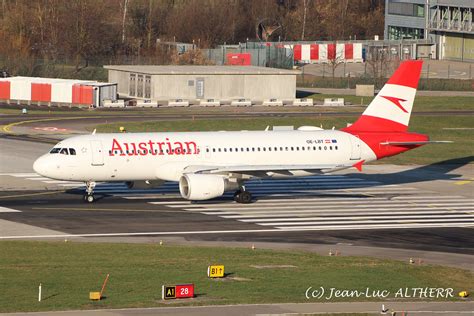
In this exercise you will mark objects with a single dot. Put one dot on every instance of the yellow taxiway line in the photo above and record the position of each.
(7, 128)
(464, 182)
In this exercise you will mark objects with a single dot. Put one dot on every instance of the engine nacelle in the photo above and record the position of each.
(143, 185)
(204, 186)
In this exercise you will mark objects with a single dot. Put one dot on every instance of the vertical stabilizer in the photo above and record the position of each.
(390, 110)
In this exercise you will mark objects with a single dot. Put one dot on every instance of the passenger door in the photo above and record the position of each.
(97, 153)
(355, 148)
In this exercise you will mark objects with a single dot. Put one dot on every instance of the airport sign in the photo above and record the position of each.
(215, 271)
(169, 292)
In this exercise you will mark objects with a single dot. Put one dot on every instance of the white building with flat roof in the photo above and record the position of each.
(203, 82)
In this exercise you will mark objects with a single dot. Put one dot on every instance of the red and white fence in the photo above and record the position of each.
(323, 53)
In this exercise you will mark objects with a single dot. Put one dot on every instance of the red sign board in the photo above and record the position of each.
(184, 290)
(242, 59)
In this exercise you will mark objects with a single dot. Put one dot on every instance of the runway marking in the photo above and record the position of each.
(341, 222)
(8, 210)
(299, 204)
(102, 209)
(372, 206)
(30, 194)
(464, 182)
(241, 231)
(19, 174)
(305, 215)
(7, 128)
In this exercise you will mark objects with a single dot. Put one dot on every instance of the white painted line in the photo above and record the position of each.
(388, 221)
(309, 219)
(8, 210)
(183, 203)
(372, 206)
(270, 217)
(263, 203)
(461, 209)
(375, 226)
(246, 231)
(342, 203)
(408, 197)
(192, 232)
(19, 174)
(314, 183)
(62, 182)
(38, 179)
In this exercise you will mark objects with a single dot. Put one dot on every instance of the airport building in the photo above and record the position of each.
(60, 92)
(172, 82)
(446, 23)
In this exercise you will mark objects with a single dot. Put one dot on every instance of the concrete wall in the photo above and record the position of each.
(122, 80)
(255, 87)
(221, 87)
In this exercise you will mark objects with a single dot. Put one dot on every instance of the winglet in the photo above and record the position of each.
(358, 165)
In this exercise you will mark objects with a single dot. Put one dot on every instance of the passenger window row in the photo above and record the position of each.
(286, 148)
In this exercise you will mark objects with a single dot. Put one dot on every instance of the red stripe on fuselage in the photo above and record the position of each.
(369, 123)
(374, 140)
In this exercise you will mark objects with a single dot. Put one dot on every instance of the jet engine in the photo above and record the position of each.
(143, 185)
(204, 186)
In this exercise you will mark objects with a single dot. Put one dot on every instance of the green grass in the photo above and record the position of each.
(422, 103)
(462, 146)
(434, 84)
(69, 271)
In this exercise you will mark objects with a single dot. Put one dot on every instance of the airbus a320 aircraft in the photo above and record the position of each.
(206, 164)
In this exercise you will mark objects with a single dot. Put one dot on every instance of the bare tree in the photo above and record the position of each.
(124, 17)
(335, 60)
(377, 59)
(305, 8)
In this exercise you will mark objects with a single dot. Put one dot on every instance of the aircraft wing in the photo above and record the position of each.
(265, 170)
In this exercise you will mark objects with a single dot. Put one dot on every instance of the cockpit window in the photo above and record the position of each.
(55, 150)
(72, 151)
(64, 151)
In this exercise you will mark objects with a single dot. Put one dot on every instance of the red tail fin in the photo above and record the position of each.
(390, 110)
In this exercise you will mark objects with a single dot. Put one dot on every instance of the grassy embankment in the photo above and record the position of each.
(69, 271)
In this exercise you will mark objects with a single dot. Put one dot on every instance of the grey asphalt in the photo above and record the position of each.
(400, 308)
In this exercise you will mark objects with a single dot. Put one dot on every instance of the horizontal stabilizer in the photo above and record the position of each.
(416, 143)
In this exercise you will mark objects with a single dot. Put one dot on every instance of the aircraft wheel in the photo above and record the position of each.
(89, 198)
(236, 195)
(244, 197)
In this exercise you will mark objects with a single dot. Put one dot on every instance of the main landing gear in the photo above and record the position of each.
(89, 195)
(242, 196)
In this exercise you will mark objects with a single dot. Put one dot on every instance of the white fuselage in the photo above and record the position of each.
(166, 156)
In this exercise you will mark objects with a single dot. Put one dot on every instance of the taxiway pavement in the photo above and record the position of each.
(387, 211)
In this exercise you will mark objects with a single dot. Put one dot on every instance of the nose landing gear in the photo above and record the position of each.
(89, 195)
(242, 196)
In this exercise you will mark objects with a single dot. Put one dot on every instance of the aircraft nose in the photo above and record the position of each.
(40, 166)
